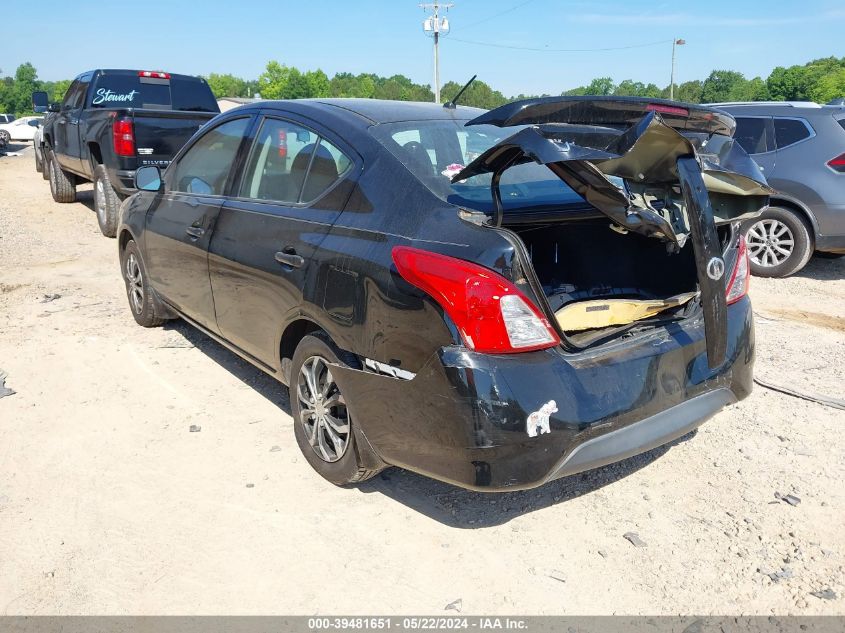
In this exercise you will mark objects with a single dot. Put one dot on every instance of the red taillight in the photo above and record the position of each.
(283, 143)
(153, 74)
(490, 313)
(123, 135)
(738, 285)
(837, 164)
(665, 109)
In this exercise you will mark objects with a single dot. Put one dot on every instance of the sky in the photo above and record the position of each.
(63, 38)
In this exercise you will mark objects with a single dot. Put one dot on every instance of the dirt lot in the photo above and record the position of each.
(108, 504)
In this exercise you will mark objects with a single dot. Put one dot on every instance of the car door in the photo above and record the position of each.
(262, 258)
(69, 147)
(756, 136)
(180, 223)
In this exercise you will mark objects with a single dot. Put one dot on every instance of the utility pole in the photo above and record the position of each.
(675, 42)
(434, 25)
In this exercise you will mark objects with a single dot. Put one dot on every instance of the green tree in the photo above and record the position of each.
(227, 85)
(830, 86)
(724, 85)
(273, 81)
(689, 91)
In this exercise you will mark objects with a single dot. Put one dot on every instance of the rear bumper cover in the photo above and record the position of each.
(463, 417)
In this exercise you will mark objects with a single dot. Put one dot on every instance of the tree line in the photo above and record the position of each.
(820, 80)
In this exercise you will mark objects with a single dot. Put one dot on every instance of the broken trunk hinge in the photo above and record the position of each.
(498, 207)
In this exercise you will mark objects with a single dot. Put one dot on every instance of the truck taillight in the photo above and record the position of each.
(837, 164)
(123, 135)
(738, 285)
(490, 313)
(283, 143)
(153, 74)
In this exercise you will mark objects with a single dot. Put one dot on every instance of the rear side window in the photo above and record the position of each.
(205, 167)
(291, 164)
(841, 123)
(791, 131)
(132, 91)
(751, 134)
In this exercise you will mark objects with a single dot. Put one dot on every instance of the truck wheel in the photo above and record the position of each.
(39, 166)
(61, 185)
(780, 243)
(323, 426)
(145, 307)
(106, 202)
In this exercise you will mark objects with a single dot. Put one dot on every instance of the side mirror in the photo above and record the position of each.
(40, 103)
(148, 178)
(54, 107)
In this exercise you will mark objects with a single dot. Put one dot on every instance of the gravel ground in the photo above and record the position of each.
(109, 504)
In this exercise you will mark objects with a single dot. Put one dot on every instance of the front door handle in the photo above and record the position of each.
(195, 232)
(288, 257)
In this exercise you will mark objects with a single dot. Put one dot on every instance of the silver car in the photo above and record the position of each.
(801, 148)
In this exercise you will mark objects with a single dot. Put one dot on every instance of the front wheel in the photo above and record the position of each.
(779, 243)
(323, 425)
(5, 137)
(106, 202)
(144, 305)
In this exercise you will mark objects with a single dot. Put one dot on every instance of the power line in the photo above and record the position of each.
(496, 15)
(560, 50)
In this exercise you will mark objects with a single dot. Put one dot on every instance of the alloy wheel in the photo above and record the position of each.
(770, 242)
(135, 283)
(322, 410)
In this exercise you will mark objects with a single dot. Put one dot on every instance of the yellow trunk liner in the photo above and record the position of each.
(588, 315)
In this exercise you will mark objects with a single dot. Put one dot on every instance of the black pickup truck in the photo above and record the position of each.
(111, 122)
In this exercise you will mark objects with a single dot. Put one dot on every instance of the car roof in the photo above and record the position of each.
(376, 111)
(785, 109)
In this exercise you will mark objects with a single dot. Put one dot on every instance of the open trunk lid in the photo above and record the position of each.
(663, 169)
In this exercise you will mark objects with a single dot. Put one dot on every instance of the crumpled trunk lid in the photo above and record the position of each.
(662, 169)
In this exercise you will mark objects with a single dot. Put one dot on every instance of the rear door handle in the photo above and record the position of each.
(195, 232)
(288, 257)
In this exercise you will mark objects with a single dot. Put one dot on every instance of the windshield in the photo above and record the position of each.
(434, 151)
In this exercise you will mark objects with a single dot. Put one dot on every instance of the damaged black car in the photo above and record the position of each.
(493, 299)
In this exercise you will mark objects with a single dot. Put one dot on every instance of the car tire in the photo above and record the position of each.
(780, 242)
(144, 305)
(62, 186)
(106, 202)
(39, 165)
(337, 460)
(5, 137)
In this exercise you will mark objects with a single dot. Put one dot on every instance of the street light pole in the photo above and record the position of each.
(675, 42)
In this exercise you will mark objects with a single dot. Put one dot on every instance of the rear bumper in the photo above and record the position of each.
(463, 417)
(830, 235)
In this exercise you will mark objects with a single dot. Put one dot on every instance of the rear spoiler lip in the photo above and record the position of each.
(608, 111)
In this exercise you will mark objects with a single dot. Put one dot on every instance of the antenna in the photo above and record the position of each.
(454, 101)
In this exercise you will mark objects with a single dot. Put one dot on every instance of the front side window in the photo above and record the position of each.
(790, 131)
(74, 95)
(291, 164)
(751, 134)
(205, 167)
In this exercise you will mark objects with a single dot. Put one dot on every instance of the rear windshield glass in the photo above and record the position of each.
(131, 91)
(435, 150)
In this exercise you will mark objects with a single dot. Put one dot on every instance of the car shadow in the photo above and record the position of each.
(263, 383)
(823, 269)
(466, 509)
(14, 147)
(447, 504)
(86, 198)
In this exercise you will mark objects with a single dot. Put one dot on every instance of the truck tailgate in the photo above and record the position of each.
(160, 134)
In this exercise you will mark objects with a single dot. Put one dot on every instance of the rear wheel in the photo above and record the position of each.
(61, 185)
(779, 243)
(144, 305)
(323, 424)
(106, 202)
(5, 137)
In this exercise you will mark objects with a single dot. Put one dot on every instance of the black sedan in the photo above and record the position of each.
(493, 299)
